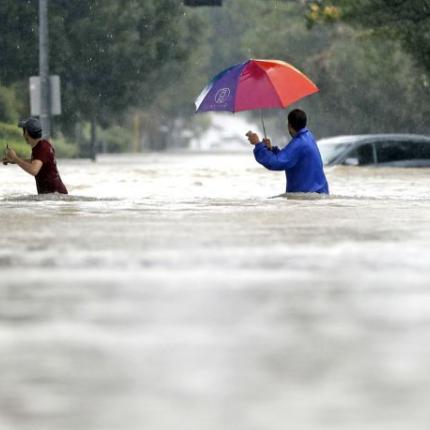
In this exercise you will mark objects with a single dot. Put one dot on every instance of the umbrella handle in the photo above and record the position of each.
(262, 122)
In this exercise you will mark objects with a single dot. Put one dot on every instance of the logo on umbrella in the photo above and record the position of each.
(222, 95)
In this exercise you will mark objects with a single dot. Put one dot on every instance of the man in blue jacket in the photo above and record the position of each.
(300, 159)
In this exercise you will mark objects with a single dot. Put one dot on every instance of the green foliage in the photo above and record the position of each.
(18, 41)
(172, 109)
(366, 87)
(114, 55)
(406, 21)
(9, 131)
(11, 135)
(64, 148)
(115, 139)
(368, 82)
(9, 105)
(153, 57)
(111, 55)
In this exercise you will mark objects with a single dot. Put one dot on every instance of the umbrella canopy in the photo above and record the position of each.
(255, 84)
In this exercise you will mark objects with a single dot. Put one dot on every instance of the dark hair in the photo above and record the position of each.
(34, 134)
(297, 119)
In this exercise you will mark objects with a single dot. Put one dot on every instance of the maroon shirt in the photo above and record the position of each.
(48, 179)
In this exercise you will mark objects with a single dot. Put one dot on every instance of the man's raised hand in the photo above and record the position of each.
(253, 137)
(9, 156)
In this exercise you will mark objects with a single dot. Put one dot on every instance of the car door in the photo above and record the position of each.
(403, 153)
(362, 154)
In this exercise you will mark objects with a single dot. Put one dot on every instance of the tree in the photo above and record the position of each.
(18, 44)
(116, 55)
(406, 20)
(153, 57)
(368, 84)
(111, 55)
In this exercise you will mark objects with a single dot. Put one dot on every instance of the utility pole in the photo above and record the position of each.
(45, 108)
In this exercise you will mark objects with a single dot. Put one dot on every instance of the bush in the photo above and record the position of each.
(11, 135)
(9, 131)
(115, 139)
(64, 149)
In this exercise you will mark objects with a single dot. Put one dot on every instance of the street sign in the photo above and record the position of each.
(55, 95)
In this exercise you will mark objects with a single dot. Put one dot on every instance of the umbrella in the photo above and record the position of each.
(255, 84)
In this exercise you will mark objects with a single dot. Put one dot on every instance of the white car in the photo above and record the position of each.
(398, 150)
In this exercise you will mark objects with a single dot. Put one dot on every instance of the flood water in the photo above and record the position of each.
(171, 291)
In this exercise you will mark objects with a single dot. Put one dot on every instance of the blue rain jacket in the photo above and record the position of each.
(301, 161)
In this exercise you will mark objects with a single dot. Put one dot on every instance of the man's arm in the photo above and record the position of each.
(32, 167)
(5, 162)
(265, 153)
(270, 159)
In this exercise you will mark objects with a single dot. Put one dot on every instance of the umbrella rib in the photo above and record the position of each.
(234, 110)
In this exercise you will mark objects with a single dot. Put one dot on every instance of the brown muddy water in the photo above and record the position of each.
(173, 292)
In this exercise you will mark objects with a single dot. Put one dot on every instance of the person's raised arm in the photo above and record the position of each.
(32, 167)
(268, 158)
(271, 157)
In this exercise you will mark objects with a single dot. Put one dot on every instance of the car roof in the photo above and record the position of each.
(363, 138)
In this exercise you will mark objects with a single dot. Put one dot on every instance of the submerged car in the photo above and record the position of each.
(398, 150)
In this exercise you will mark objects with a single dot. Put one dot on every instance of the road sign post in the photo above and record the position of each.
(45, 117)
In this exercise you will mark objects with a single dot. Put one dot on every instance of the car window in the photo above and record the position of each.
(398, 151)
(364, 154)
(330, 151)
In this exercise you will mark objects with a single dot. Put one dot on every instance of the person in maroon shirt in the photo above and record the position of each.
(42, 165)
